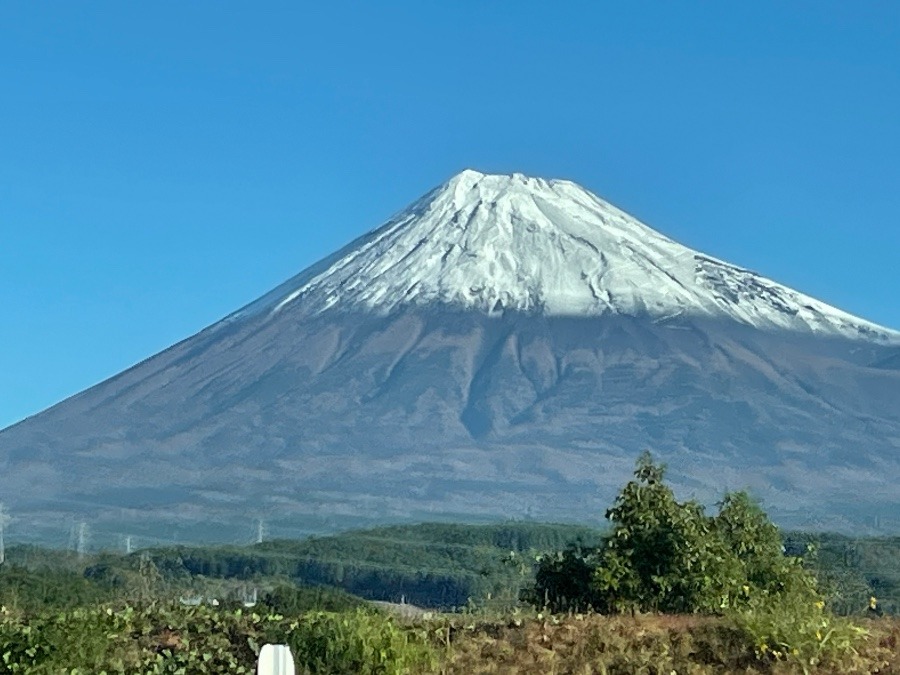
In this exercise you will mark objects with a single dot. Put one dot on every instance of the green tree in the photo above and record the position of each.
(668, 556)
(756, 542)
(564, 581)
(663, 555)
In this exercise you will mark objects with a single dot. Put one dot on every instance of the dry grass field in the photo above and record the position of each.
(650, 645)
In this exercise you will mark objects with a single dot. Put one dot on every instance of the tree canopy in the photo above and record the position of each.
(665, 555)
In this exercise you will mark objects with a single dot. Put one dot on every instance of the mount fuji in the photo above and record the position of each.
(503, 348)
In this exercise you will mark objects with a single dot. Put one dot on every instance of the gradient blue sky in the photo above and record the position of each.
(162, 164)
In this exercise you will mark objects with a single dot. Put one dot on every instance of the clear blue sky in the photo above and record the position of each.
(163, 163)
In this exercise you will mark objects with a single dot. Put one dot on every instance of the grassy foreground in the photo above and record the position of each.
(677, 591)
(661, 644)
(176, 639)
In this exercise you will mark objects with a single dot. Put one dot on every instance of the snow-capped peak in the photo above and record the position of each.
(497, 243)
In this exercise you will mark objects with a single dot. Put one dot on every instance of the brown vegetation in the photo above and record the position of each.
(643, 644)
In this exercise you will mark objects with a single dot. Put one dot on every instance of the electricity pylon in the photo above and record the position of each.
(3, 520)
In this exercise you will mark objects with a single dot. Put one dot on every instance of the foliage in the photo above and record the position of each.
(564, 581)
(432, 564)
(22, 590)
(123, 639)
(793, 629)
(158, 638)
(663, 556)
(852, 569)
(358, 642)
(293, 600)
(173, 639)
(669, 556)
(114, 613)
(748, 533)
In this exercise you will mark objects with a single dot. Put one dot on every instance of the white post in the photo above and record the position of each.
(275, 660)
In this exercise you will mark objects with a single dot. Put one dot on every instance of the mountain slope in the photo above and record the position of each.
(379, 386)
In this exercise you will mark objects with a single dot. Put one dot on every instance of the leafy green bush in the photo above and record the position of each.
(360, 642)
(292, 600)
(663, 556)
(564, 581)
(125, 640)
(178, 639)
(668, 556)
(793, 628)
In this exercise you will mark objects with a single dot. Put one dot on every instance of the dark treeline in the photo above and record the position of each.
(442, 565)
(33, 590)
(852, 570)
(433, 565)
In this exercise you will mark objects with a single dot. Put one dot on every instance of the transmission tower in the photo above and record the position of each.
(3, 520)
(260, 531)
(82, 539)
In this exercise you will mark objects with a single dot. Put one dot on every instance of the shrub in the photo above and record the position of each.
(361, 642)
(668, 556)
(564, 581)
(793, 628)
(663, 556)
(293, 600)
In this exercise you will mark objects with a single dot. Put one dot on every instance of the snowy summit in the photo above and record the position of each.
(499, 243)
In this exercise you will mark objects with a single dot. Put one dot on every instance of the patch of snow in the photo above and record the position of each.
(497, 243)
